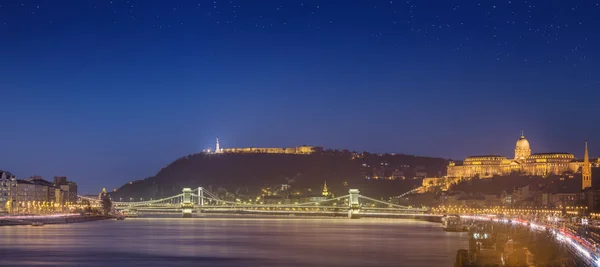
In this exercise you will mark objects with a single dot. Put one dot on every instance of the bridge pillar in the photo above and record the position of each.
(186, 204)
(353, 204)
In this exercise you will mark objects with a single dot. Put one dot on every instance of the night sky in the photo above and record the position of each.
(106, 92)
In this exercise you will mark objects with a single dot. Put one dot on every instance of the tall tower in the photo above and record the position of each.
(217, 150)
(586, 171)
(325, 191)
(522, 149)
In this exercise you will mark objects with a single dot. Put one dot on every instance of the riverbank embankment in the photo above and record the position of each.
(50, 219)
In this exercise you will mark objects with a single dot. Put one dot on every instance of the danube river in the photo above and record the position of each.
(232, 242)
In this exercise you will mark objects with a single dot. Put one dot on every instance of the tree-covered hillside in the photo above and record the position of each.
(248, 173)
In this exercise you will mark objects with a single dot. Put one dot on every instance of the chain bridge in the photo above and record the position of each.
(201, 200)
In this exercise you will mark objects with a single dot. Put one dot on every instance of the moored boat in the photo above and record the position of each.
(453, 223)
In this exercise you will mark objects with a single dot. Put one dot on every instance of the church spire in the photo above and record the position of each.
(325, 191)
(586, 171)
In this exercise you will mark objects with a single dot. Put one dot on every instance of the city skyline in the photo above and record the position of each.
(580, 158)
(106, 92)
(263, 132)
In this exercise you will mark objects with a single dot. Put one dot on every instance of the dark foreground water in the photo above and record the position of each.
(244, 242)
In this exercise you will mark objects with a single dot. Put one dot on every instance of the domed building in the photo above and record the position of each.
(522, 149)
(539, 164)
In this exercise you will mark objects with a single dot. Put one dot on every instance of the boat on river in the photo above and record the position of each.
(482, 248)
(37, 224)
(453, 223)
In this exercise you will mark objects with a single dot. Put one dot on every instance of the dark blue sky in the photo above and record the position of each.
(110, 91)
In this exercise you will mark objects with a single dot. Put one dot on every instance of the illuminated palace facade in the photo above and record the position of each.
(303, 150)
(540, 164)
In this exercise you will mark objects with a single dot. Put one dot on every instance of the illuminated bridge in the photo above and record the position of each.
(200, 200)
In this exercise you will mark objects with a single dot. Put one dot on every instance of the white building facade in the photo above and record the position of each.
(8, 187)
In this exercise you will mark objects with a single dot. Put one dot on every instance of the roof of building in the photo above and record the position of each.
(522, 143)
(551, 153)
(592, 161)
(480, 156)
(485, 156)
(8, 174)
(35, 182)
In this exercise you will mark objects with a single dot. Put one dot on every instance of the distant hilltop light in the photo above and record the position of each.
(300, 150)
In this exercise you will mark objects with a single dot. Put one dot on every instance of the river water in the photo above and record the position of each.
(232, 241)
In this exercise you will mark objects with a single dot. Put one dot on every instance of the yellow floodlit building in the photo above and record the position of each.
(289, 150)
(524, 162)
(305, 150)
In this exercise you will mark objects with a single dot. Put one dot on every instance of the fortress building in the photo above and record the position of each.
(303, 150)
(524, 162)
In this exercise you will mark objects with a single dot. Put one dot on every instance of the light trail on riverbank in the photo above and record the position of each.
(578, 249)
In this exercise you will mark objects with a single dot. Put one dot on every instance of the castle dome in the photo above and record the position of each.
(522, 143)
(522, 149)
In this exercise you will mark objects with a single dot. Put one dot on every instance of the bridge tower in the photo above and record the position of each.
(200, 198)
(187, 205)
(353, 204)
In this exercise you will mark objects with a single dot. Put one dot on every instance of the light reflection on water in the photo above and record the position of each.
(232, 242)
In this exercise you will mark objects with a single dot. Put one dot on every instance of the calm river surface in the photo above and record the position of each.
(231, 242)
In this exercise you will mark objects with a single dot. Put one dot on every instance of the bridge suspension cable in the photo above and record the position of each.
(141, 203)
(238, 204)
(204, 199)
(210, 194)
(387, 203)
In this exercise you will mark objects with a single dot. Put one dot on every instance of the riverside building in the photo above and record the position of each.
(8, 185)
(523, 162)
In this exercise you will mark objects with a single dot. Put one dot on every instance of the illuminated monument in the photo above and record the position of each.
(303, 150)
(540, 164)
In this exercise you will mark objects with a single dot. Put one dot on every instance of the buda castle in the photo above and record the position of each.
(539, 164)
